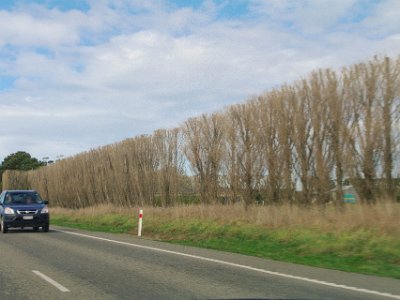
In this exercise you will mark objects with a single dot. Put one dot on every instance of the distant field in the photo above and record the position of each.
(355, 238)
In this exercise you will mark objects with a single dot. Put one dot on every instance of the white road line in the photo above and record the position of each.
(341, 286)
(51, 281)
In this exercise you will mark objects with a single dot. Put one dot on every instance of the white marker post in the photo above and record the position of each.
(140, 222)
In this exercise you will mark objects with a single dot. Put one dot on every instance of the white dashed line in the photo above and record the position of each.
(51, 281)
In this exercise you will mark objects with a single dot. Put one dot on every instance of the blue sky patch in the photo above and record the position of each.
(63, 5)
(6, 82)
(234, 9)
(226, 9)
(358, 13)
(45, 52)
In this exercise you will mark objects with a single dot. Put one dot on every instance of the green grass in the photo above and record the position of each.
(361, 251)
(104, 223)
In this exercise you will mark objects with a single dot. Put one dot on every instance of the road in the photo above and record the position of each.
(73, 264)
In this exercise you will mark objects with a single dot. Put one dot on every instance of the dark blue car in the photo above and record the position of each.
(23, 208)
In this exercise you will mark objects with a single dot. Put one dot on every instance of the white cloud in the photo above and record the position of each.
(88, 78)
(384, 20)
(303, 16)
(23, 29)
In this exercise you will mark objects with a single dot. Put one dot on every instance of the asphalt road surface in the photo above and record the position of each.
(73, 264)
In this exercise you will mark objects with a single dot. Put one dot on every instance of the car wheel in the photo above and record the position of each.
(4, 228)
(46, 228)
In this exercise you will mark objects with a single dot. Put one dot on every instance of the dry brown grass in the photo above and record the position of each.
(383, 217)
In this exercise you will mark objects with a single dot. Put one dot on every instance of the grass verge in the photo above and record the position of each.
(367, 249)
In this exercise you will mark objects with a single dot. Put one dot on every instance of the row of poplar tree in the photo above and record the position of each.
(300, 143)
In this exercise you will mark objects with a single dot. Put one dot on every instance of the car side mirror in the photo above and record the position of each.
(46, 202)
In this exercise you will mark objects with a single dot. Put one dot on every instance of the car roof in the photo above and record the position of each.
(20, 191)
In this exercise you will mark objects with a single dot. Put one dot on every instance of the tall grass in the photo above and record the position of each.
(383, 217)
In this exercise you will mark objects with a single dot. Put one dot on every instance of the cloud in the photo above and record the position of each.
(304, 16)
(23, 29)
(116, 69)
(384, 19)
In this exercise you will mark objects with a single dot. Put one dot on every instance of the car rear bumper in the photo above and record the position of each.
(37, 220)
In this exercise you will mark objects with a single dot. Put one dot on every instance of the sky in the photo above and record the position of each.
(77, 75)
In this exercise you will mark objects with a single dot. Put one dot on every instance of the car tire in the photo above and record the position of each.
(4, 228)
(46, 228)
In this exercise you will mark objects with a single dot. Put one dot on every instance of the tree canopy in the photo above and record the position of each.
(20, 161)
